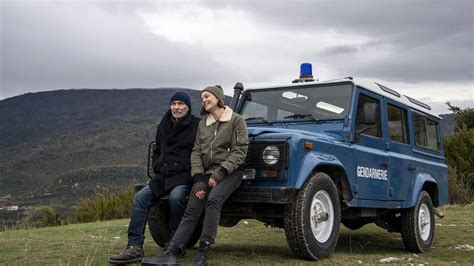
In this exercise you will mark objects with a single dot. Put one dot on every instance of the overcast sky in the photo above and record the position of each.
(424, 49)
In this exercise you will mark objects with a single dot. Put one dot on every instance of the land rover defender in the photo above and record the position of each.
(344, 151)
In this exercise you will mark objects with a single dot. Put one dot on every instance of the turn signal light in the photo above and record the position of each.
(269, 173)
(308, 145)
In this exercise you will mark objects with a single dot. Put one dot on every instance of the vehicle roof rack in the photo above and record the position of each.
(388, 90)
(415, 101)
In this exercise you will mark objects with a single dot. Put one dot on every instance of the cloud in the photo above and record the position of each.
(418, 45)
(342, 49)
(51, 45)
(442, 108)
(414, 41)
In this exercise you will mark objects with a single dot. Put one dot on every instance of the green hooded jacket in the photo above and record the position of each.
(220, 144)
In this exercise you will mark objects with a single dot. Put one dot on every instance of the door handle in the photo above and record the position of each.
(384, 164)
(411, 167)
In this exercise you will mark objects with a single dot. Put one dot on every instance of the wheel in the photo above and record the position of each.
(158, 224)
(418, 225)
(354, 224)
(313, 218)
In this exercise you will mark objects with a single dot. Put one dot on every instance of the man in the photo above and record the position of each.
(175, 137)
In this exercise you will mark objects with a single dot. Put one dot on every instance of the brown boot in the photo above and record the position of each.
(131, 254)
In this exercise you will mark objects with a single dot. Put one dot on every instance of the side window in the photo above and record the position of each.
(426, 132)
(432, 134)
(397, 124)
(420, 130)
(361, 126)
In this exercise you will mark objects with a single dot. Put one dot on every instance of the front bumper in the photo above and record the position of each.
(275, 195)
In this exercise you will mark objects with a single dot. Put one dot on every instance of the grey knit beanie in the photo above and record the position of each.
(217, 91)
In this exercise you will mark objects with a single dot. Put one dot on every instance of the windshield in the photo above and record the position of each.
(319, 102)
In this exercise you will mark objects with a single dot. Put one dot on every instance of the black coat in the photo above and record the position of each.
(171, 156)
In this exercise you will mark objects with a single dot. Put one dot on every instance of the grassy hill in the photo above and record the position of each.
(248, 243)
(58, 146)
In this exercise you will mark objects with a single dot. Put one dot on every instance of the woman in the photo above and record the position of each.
(219, 150)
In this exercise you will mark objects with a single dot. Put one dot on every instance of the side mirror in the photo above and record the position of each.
(371, 113)
(370, 118)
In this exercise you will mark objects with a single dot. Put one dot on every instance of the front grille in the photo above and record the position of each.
(254, 156)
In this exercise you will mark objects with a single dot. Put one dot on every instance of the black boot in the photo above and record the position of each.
(201, 256)
(130, 255)
(181, 251)
(169, 257)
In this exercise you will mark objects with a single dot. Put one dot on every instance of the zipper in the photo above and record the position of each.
(212, 141)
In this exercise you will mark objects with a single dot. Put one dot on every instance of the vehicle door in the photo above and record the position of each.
(401, 165)
(370, 149)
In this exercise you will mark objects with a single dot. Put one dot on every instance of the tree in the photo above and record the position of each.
(459, 149)
(463, 116)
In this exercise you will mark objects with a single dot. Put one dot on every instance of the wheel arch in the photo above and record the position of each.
(432, 189)
(427, 183)
(329, 164)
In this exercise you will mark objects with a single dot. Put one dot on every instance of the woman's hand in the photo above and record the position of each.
(201, 194)
(199, 189)
(212, 182)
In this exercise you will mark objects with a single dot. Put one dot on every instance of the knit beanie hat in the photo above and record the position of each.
(217, 91)
(181, 96)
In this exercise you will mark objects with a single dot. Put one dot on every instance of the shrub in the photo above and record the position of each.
(459, 192)
(105, 206)
(40, 217)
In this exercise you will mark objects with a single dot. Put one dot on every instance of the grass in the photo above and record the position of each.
(249, 242)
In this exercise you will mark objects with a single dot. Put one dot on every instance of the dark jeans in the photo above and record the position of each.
(212, 204)
(142, 203)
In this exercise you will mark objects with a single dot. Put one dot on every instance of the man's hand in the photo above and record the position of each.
(212, 182)
(201, 194)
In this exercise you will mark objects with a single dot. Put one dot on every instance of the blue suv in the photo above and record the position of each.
(340, 151)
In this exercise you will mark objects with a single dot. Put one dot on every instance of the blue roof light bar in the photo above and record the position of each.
(306, 71)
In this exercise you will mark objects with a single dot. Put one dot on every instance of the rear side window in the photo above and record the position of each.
(397, 124)
(426, 132)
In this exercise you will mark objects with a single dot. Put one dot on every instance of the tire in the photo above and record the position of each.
(418, 225)
(318, 199)
(354, 224)
(158, 224)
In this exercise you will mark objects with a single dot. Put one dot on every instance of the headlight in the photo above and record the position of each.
(271, 155)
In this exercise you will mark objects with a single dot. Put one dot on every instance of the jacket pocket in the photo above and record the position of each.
(241, 137)
(175, 167)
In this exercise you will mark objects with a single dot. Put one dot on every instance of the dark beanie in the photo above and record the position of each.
(217, 91)
(181, 96)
